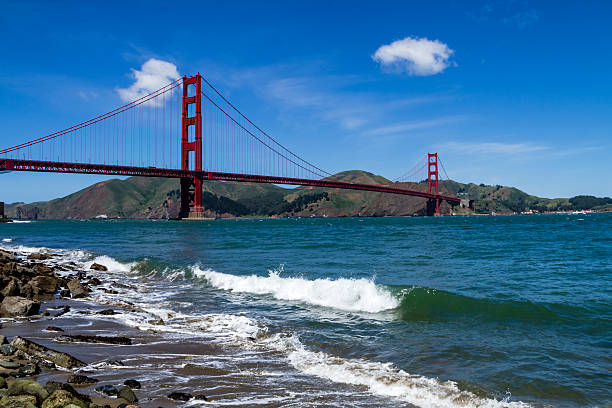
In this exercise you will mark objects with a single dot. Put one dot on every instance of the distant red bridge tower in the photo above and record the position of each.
(433, 204)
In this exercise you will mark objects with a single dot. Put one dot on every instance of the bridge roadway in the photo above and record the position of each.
(106, 169)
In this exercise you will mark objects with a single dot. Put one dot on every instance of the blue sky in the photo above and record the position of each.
(507, 92)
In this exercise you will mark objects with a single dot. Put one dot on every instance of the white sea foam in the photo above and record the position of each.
(7, 239)
(112, 264)
(354, 295)
(381, 378)
(22, 221)
(23, 250)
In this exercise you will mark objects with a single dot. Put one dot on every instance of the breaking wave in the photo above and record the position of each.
(353, 295)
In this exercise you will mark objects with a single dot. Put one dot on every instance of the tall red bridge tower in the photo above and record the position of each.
(191, 141)
(433, 204)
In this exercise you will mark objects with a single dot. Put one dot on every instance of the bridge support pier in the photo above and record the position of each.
(191, 141)
(433, 207)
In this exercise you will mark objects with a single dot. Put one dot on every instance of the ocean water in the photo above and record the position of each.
(428, 312)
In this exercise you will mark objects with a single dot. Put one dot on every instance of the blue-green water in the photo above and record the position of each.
(512, 308)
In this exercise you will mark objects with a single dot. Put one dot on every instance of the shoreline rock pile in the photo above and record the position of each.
(25, 285)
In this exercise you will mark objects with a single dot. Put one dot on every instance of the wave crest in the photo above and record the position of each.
(353, 295)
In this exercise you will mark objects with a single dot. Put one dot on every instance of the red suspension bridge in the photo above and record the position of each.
(190, 131)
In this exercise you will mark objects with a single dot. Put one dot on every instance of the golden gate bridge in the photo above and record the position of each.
(190, 131)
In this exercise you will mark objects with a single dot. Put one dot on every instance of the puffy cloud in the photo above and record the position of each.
(415, 56)
(153, 74)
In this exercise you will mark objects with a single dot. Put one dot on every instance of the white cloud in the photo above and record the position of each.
(153, 75)
(494, 147)
(415, 56)
(416, 125)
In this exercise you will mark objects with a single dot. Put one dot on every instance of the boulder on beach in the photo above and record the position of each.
(179, 396)
(7, 349)
(18, 401)
(44, 284)
(13, 306)
(30, 369)
(36, 350)
(39, 256)
(107, 390)
(77, 289)
(81, 379)
(63, 398)
(26, 387)
(42, 269)
(127, 394)
(12, 288)
(53, 386)
(6, 256)
(133, 384)
(98, 267)
(77, 338)
(11, 365)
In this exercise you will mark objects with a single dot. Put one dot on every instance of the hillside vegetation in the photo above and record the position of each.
(140, 197)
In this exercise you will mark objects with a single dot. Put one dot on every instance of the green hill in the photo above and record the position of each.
(141, 197)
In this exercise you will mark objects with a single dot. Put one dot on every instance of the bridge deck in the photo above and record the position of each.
(58, 167)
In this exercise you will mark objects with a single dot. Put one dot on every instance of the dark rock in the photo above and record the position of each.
(7, 349)
(98, 267)
(6, 256)
(3, 383)
(115, 362)
(124, 405)
(11, 365)
(81, 379)
(42, 269)
(63, 398)
(44, 284)
(45, 314)
(64, 293)
(77, 289)
(94, 339)
(33, 349)
(110, 291)
(94, 282)
(180, 396)
(3, 339)
(11, 289)
(200, 397)
(133, 384)
(54, 329)
(25, 387)
(61, 310)
(30, 369)
(18, 401)
(107, 390)
(27, 291)
(13, 306)
(53, 386)
(40, 256)
(127, 394)
(16, 374)
(108, 312)
(159, 322)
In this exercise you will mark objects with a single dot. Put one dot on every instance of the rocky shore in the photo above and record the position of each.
(34, 292)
